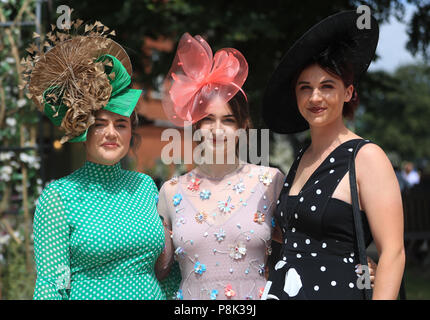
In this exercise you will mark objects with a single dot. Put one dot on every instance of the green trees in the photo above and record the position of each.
(261, 30)
(20, 184)
(396, 112)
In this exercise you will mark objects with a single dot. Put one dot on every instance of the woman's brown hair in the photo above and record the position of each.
(135, 137)
(240, 109)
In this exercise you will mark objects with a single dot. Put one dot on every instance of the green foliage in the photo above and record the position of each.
(17, 113)
(161, 173)
(17, 282)
(261, 30)
(397, 111)
(18, 167)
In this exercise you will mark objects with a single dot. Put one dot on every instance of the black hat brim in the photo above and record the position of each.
(280, 111)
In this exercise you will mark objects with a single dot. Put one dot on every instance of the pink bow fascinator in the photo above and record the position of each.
(196, 78)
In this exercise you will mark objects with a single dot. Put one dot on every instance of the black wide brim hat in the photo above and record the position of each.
(280, 111)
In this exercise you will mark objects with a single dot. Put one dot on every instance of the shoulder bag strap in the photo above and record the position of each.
(357, 216)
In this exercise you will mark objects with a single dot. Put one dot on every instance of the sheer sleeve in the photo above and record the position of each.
(165, 259)
(278, 184)
(167, 269)
(51, 247)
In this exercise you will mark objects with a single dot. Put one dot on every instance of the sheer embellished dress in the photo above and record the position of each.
(318, 254)
(222, 231)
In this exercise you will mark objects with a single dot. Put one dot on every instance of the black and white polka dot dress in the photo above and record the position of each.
(318, 254)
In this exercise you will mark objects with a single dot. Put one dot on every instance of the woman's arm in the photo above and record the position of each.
(278, 184)
(380, 198)
(165, 260)
(51, 247)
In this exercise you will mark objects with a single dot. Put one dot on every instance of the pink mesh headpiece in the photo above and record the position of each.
(196, 78)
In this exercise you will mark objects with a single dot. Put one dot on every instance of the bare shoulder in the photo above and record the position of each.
(372, 164)
(372, 156)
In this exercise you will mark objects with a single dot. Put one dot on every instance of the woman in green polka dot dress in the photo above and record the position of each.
(97, 234)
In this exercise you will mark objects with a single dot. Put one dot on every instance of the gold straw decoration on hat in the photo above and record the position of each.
(66, 65)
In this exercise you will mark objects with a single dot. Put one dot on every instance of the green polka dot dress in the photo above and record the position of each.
(97, 235)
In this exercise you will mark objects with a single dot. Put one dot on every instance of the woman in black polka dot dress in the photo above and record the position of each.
(314, 212)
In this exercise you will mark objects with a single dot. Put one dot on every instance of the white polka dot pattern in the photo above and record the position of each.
(97, 235)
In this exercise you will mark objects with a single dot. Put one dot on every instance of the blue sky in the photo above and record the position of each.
(392, 44)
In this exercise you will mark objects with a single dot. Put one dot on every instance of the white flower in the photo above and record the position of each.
(14, 164)
(239, 188)
(10, 60)
(266, 178)
(21, 102)
(35, 165)
(7, 170)
(18, 235)
(24, 157)
(237, 251)
(11, 122)
(4, 239)
(5, 156)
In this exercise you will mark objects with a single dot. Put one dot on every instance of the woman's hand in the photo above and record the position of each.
(372, 270)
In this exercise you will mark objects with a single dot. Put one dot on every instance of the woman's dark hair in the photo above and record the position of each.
(240, 108)
(336, 61)
(135, 137)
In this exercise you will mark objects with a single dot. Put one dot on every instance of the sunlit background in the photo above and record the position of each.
(394, 111)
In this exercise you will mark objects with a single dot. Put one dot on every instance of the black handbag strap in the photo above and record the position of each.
(358, 223)
(359, 230)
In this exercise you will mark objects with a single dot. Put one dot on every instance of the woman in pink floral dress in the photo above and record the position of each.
(220, 214)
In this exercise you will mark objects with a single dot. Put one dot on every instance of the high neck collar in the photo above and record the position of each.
(96, 172)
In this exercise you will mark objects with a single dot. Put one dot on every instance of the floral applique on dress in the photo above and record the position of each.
(237, 251)
(214, 294)
(220, 235)
(259, 217)
(177, 198)
(229, 292)
(174, 180)
(199, 268)
(205, 194)
(239, 188)
(266, 178)
(201, 216)
(211, 202)
(194, 185)
(225, 206)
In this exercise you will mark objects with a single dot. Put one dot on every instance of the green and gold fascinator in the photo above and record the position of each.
(73, 76)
